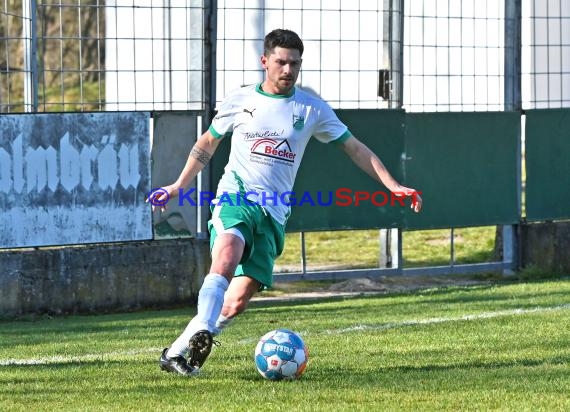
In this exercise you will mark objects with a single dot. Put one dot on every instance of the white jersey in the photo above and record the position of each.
(269, 134)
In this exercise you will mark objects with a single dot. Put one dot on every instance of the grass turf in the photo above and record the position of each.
(420, 248)
(501, 347)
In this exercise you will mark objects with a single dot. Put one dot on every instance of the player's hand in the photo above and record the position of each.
(417, 201)
(160, 196)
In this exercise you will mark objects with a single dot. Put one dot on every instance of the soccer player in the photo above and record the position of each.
(270, 124)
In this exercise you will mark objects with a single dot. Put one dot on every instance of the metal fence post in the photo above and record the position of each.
(30, 40)
(513, 102)
(205, 183)
(391, 239)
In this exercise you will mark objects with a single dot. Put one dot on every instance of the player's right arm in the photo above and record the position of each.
(198, 158)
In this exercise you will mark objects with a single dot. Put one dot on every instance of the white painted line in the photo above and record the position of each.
(433, 321)
(108, 356)
(88, 357)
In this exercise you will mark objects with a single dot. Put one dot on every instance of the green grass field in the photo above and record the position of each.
(501, 347)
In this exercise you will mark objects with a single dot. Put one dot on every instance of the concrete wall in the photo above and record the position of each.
(546, 246)
(102, 278)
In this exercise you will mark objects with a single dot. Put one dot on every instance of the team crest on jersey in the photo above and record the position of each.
(275, 149)
(298, 122)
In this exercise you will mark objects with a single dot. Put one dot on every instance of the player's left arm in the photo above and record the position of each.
(369, 162)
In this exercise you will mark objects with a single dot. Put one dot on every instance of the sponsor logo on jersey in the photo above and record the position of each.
(280, 150)
(259, 134)
(250, 112)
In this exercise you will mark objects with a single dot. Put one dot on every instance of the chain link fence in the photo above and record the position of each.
(94, 55)
(422, 55)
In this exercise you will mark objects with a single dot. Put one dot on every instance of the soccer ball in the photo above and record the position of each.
(281, 354)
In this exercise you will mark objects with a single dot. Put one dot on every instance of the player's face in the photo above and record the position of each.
(282, 68)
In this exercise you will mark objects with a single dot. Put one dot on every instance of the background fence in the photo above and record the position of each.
(425, 55)
(167, 56)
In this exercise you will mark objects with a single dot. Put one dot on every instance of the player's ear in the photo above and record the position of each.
(264, 61)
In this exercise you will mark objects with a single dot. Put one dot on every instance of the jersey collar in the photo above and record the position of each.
(275, 96)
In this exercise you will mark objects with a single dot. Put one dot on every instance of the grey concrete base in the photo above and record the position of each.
(102, 278)
(546, 246)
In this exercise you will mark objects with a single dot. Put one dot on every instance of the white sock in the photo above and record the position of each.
(210, 302)
(180, 345)
(221, 324)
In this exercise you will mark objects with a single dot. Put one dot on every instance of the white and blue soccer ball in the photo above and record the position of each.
(281, 354)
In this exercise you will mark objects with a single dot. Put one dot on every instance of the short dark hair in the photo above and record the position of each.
(282, 38)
